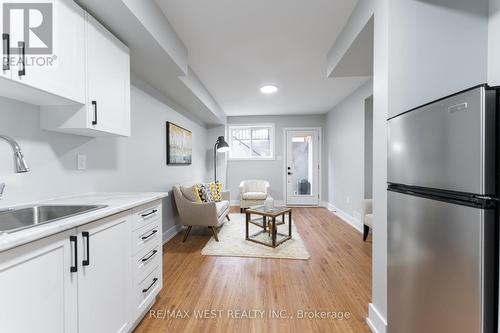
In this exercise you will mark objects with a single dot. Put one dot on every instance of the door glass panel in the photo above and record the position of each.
(302, 165)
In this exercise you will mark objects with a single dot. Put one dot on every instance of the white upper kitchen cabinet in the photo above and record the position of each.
(108, 80)
(107, 103)
(51, 61)
(38, 286)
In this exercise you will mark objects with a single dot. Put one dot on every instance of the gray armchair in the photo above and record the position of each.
(203, 214)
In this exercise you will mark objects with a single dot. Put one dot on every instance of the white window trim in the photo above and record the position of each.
(273, 142)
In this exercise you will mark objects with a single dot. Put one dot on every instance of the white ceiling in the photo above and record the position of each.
(235, 46)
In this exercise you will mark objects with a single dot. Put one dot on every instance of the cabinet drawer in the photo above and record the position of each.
(149, 234)
(145, 261)
(147, 289)
(146, 214)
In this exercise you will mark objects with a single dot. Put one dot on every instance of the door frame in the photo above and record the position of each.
(320, 161)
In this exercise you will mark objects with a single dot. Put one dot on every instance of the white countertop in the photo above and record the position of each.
(115, 202)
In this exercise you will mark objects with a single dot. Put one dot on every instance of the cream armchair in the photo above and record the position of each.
(253, 193)
(203, 214)
(367, 217)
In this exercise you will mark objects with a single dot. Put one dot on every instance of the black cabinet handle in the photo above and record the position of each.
(6, 50)
(151, 285)
(150, 235)
(22, 49)
(86, 262)
(73, 240)
(150, 213)
(94, 105)
(150, 256)
(289, 173)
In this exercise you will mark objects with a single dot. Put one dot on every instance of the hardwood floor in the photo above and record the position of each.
(336, 279)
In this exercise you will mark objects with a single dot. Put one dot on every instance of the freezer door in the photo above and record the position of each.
(440, 266)
(446, 145)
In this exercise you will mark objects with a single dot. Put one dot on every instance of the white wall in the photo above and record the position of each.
(345, 137)
(137, 163)
(271, 170)
(438, 47)
(494, 43)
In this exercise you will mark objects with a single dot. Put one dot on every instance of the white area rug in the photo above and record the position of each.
(232, 242)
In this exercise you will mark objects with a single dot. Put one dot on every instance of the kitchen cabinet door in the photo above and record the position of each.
(61, 72)
(37, 287)
(108, 80)
(104, 279)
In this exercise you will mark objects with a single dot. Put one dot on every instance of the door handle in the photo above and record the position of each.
(150, 235)
(86, 261)
(73, 240)
(151, 285)
(6, 49)
(22, 49)
(94, 105)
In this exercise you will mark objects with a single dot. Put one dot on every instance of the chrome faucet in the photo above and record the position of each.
(20, 164)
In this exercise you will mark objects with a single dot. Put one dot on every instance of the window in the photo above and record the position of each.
(251, 142)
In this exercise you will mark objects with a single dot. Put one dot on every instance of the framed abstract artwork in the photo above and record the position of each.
(179, 145)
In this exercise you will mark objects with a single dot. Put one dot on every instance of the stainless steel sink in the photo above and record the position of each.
(18, 218)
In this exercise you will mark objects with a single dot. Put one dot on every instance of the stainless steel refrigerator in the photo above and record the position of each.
(442, 215)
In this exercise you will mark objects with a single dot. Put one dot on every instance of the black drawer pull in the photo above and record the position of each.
(150, 235)
(86, 262)
(150, 256)
(6, 50)
(73, 240)
(152, 284)
(149, 214)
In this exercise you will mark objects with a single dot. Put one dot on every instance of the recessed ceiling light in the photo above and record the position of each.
(269, 89)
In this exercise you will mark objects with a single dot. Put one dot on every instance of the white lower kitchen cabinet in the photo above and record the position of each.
(104, 276)
(100, 277)
(38, 290)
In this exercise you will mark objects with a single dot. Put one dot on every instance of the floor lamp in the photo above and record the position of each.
(220, 146)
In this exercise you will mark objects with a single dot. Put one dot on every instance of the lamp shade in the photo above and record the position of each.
(221, 145)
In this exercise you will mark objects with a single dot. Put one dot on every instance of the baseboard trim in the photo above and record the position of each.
(171, 232)
(375, 321)
(349, 219)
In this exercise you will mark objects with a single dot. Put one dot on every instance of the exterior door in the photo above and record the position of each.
(302, 166)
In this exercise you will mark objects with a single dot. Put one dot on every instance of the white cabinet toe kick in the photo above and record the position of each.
(98, 277)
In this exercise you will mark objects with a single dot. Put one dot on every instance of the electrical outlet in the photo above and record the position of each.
(81, 163)
(348, 200)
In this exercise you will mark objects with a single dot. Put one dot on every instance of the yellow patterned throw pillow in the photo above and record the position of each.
(209, 192)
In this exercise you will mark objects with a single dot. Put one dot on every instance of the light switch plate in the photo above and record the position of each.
(81, 163)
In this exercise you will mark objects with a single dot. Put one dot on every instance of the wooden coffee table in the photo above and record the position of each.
(269, 224)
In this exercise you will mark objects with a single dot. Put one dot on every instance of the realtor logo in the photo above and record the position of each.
(30, 23)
